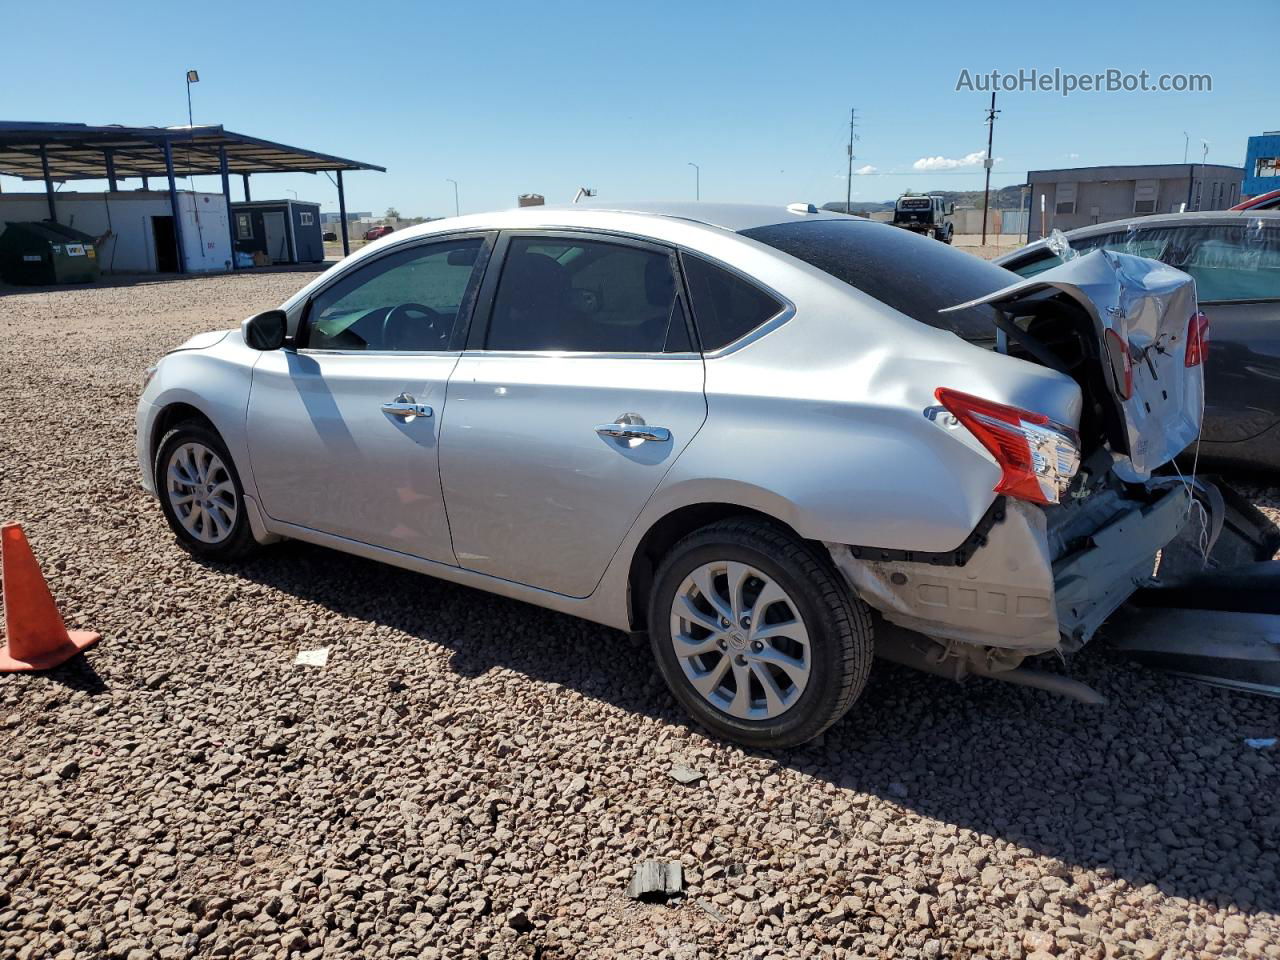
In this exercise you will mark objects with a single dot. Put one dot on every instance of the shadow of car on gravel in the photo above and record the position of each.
(1157, 787)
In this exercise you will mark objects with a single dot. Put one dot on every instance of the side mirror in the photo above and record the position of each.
(266, 330)
(951, 208)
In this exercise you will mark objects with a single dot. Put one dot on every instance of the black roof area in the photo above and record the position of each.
(77, 151)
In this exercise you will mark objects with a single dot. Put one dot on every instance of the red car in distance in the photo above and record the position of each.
(1263, 201)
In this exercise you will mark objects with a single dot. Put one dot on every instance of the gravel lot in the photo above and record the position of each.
(473, 777)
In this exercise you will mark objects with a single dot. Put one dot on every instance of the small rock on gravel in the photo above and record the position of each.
(685, 775)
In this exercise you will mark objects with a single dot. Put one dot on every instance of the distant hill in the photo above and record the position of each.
(1003, 198)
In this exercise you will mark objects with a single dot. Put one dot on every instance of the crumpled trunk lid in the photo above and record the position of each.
(1149, 307)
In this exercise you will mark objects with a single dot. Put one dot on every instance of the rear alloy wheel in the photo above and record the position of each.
(200, 493)
(757, 635)
(740, 641)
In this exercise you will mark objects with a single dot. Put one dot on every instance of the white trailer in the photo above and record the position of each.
(137, 227)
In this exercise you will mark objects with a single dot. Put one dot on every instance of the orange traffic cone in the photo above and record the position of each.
(37, 639)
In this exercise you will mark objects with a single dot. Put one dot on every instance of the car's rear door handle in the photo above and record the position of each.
(634, 431)
(406, 408)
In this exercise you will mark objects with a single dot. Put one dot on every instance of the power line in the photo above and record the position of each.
(935, 173)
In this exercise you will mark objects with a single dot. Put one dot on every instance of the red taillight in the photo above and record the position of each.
(1197, 339)
(1037, 456)
(1121, 363)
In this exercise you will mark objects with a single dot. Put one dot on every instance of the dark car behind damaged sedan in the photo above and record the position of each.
(1234, 257)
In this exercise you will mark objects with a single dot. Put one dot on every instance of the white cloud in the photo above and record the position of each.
(950, 163)
(865, 171)
(1073, 156)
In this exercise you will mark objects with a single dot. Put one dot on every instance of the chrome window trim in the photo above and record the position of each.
(773, 323)
(588, 234)
(430, 240)
(321, 351)
(582, 355)
(787, 311)
(363, 262)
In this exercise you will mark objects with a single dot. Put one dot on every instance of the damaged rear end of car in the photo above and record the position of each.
(1079, 516)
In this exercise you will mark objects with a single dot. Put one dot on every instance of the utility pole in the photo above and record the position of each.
(848, 191)
(697, 180)
(986, 193)
(456, 208)
(1186, 143)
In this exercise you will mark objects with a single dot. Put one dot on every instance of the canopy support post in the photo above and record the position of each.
(342, 216)
(247, 198)
(48, 183)
(173, 206)
(110, 157)
(226, 196)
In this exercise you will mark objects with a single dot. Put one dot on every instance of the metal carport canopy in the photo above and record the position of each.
(77, 151)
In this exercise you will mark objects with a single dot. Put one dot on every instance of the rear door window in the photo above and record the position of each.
(915, 275)
(587, 296)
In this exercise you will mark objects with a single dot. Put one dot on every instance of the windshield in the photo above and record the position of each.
(913, 274)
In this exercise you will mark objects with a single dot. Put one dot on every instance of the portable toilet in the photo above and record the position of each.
(45, 252)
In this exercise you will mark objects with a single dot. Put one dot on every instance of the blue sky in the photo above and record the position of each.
(510, 98)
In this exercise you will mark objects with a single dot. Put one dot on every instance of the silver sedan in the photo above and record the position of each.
(769, 436)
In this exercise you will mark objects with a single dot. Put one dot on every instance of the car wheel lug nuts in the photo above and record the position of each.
(724, 622)
(756, 646)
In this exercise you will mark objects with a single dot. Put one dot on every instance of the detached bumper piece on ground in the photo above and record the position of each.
(36, 638)
(1220, 624)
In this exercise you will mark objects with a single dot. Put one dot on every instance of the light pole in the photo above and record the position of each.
(1186, 144)
(294, 192)
(192, 77)
(455, 194)
(697, 180)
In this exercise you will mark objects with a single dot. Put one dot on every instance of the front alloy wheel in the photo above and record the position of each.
(200, 493)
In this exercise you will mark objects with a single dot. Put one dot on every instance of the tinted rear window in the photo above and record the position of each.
(915, 275)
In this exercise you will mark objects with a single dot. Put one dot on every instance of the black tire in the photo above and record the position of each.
(238, 542)
(838, 624)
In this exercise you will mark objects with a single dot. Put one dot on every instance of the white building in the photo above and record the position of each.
(135, 227)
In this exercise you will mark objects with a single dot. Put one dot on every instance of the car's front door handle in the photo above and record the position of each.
(406, 408)
(634, 431)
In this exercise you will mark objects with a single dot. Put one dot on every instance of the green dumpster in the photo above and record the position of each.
(46, 252)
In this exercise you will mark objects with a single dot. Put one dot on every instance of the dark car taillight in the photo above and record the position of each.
(1037, 456)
